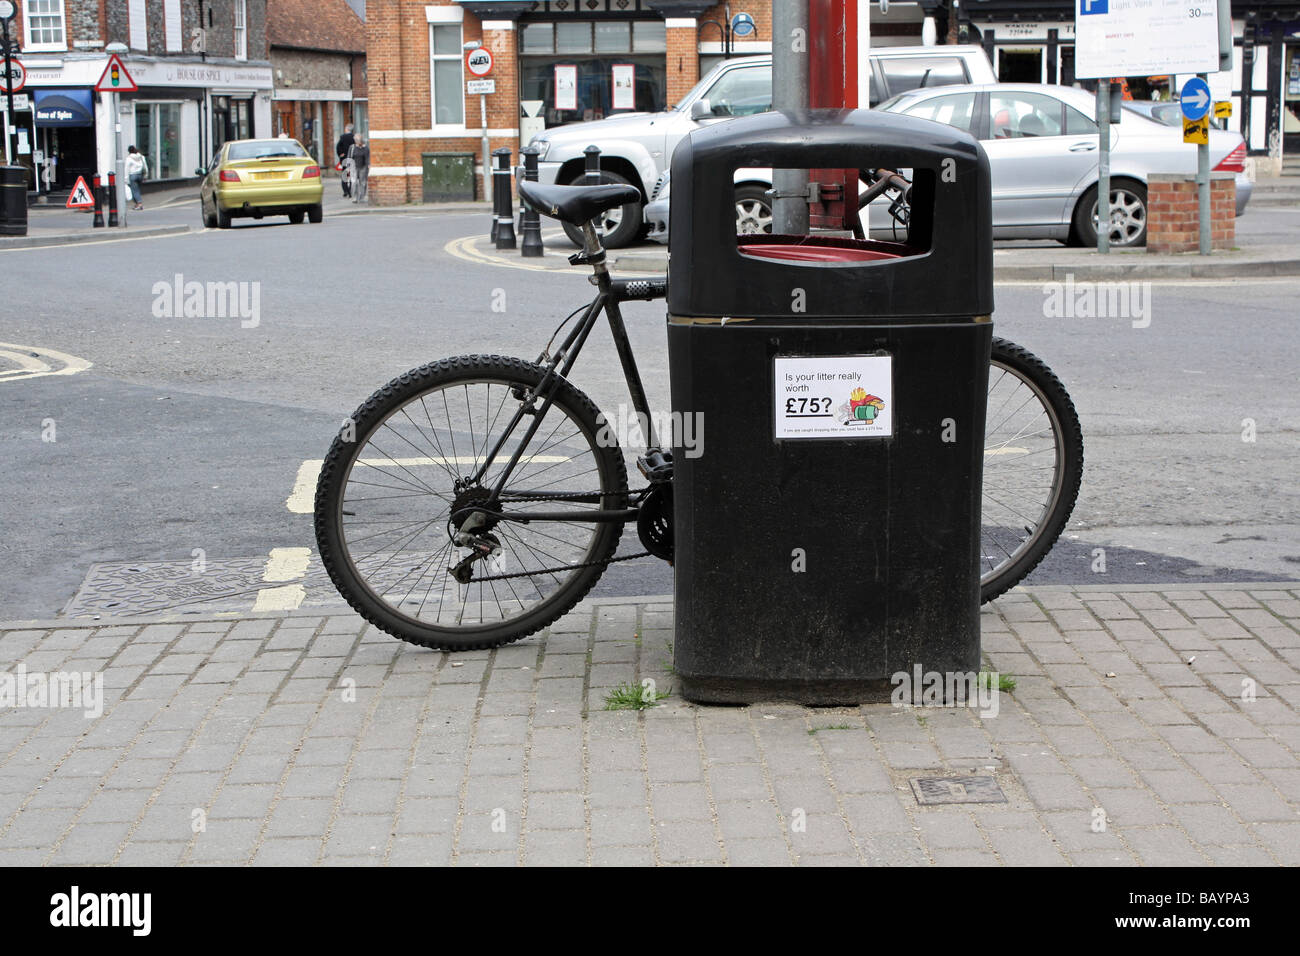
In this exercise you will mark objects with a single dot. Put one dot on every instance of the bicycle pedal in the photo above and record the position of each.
(656, 465)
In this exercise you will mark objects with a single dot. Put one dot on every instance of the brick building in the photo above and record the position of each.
(318, 58)
(202, 69)
(553, 62)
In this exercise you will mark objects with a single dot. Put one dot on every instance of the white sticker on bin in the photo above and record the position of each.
(834, 396)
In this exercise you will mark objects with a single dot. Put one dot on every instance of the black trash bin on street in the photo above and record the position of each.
(13, 200)
(827, 533)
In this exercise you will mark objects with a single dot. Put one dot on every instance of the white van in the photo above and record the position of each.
(636, 147)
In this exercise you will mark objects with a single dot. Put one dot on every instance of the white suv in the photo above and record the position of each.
(636, 148)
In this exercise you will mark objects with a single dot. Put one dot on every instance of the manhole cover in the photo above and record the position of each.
(935, 790)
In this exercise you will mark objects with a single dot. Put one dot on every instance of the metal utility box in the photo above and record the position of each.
(448, 177)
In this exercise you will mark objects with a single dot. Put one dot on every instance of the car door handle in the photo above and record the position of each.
(1083, 147)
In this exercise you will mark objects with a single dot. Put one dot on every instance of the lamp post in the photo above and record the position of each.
(741, 25)
(7, 12)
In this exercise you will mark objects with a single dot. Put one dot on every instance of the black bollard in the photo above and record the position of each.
(592, 154)
(505, 231)
(112, 199)
(532, 247)
(99, 204)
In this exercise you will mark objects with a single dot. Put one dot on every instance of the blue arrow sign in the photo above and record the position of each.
(1196, 99)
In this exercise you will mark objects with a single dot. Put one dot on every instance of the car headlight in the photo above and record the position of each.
(543, 146)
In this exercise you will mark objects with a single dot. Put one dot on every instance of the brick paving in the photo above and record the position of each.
(1148, 726)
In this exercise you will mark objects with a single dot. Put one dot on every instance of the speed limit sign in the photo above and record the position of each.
(479, 61)
(16, 78)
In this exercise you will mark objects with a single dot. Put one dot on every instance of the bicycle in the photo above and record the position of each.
(488, 524)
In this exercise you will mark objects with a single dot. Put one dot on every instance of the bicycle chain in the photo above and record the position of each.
(565, 496)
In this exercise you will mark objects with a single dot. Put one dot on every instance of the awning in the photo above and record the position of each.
(64, 108)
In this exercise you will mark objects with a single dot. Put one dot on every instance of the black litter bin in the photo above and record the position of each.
(13, 200)
(827, 530)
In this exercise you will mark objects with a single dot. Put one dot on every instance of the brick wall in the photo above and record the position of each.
(683, 61)
(1173, 212)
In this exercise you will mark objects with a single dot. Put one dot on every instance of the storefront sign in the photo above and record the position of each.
(624, 86)
(64, 108)
(1145, 37)
(566, 87)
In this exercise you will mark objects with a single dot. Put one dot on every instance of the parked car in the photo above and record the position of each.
(259, 178)
(636, 147)
(1170, 112)
(1042, 144)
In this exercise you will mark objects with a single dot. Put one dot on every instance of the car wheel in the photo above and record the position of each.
(209, 220)
(223, 218)
(753, 211)
(1128, 216)
(315, 213)
(296, 217)
(617, 227)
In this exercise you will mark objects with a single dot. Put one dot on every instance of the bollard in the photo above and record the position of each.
(531, 226)
(112, 199)
(505, 229)
(592, 154)
(99, 204)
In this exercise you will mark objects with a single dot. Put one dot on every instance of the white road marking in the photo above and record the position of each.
(283, 564)
(35, 365)
(301, 500)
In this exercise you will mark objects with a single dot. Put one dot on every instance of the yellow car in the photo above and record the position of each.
(260, 177)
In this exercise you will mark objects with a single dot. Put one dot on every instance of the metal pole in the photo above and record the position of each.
(790, 42)
(531, 247)
(11, 125)
(119, 162)
(501, 189)
(1103, 166)
(1203, 187)
(487, 163)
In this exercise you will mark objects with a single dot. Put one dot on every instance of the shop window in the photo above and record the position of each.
(650, 36)
(158, 137)
(614, 37)
(537, 38)
(573, 37)
(44, 25)
(446, 74)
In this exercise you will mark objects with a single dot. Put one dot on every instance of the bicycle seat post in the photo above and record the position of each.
(592, 254)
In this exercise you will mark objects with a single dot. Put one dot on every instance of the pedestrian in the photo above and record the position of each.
(360, 157)
(345, 143)
(136, 170)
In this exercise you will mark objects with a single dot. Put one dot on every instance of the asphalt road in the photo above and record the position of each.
(183, 440)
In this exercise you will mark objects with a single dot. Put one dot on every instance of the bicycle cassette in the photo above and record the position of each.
(654, 523)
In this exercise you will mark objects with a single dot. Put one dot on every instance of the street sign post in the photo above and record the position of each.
(15, 77)
(113, 81)
(1196, 102)
(7, 13)
(478, 61)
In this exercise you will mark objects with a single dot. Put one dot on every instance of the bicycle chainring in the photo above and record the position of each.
(654, 523)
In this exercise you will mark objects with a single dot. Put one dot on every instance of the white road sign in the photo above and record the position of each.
(1145, 37)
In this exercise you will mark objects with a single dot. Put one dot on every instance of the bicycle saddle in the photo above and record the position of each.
(575, 204)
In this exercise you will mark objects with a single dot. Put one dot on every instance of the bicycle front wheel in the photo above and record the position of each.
(1033, 464)
(436, 441)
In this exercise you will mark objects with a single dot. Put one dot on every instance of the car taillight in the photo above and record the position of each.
(1234, 162)
(229, 176)
(311, 172)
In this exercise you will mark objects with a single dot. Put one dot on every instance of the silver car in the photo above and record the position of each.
(1042, 143)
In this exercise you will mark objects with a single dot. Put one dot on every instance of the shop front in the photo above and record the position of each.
(24, 140)
(65, 127)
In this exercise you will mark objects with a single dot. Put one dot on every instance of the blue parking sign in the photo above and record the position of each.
(1090, 7)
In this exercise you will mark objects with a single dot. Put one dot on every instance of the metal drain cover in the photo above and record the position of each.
(931, 791)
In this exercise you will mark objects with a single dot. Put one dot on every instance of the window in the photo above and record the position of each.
(741, 92)
(1077, 124)
(446, 69)
(264, 149)
(172, 25)
(158, 137)
(955, 109)
(1021, 115)
(902, 74)
(137, 25)
(241, 29)
(44, 25)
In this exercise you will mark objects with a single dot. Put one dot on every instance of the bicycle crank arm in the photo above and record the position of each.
(525, 517)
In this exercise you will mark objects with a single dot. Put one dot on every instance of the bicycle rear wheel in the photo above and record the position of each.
(386, 495)
(1033, 464)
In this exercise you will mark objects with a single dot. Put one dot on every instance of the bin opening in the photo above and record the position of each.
(827, 249)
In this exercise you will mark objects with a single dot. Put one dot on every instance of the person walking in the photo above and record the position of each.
(136, 170)
(345, 143)
(360, 157)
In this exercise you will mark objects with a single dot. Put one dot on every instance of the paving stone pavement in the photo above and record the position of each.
(1148, 726)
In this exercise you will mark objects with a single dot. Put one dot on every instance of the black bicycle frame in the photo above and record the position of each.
(611, 293)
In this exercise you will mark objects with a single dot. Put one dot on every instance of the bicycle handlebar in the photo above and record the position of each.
(648, 289)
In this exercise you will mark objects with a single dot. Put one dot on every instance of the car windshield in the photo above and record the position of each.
(268, 149)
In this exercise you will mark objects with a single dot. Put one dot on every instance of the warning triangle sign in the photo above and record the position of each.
(80, 198)
(115, 79)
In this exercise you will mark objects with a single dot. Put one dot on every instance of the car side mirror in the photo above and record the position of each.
(701, 109)
(200, 171)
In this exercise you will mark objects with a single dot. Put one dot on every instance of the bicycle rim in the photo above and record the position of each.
(416, 465)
